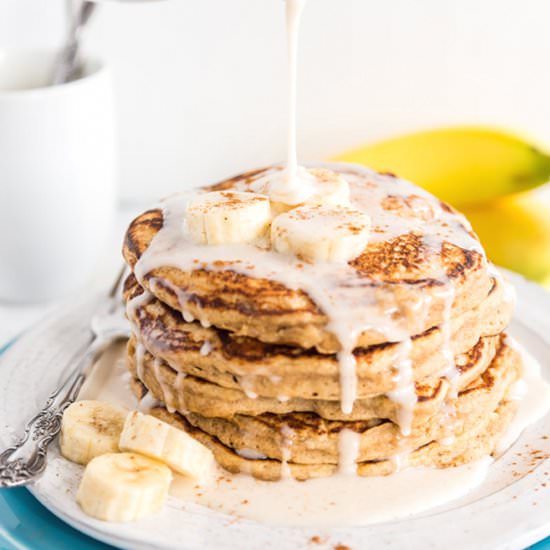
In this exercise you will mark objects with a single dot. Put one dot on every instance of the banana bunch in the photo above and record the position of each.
(129, 458)
(493, 176)
(516, 232)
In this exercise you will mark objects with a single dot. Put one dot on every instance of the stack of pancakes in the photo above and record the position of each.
(251, 367)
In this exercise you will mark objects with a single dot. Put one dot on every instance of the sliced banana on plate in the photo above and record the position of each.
(321, 233)
(226, 217)
(123, 487)
(90, 429)
(150, 436)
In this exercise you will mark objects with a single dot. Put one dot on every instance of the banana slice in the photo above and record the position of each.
(90, 429)
(328, 188)
(123, 487)
(222, 217)
(147, 435)
(321, 233)
(312, 186)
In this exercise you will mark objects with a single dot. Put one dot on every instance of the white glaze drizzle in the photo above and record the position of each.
(181, 296)
(294, 10)
(147, 402)
(450, 370)
(405, 392)
(400, 460)
(132, 306)
(206, 348)
(287, 439)
(247, 384)
(351, 303)
(348, 451)
(180, 379)
(250, 454)
(165, 389)
(139, 355)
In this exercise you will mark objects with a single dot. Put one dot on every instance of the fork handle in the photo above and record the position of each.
(25, 461)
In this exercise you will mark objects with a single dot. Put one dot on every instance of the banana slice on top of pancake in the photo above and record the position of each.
(227, 217)
(310, 186)
(321, 233)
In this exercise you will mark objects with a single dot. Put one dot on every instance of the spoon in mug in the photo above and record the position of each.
(67, 66)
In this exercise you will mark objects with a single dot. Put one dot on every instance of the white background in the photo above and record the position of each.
(201, 84)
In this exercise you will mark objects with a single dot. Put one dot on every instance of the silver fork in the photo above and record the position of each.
(25, 461)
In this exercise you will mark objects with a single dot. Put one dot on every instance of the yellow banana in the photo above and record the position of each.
(515, 232)
(462, 165)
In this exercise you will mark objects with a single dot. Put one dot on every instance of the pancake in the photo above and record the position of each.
(193, 394)
(481, 441)
(278, 364)
(414, 274)
(314, 440)
(274, 370)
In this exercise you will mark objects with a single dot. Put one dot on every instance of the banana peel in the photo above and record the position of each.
(515, 231)
(461, 165)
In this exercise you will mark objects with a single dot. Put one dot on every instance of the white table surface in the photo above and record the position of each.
(16, 318)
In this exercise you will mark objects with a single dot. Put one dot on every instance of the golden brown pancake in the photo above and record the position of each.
(397, 271)
(275, 370)
(315, 440)
(481, 441)
(189, 393)
(247, 349)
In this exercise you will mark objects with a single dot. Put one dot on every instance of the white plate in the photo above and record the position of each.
(509, 510)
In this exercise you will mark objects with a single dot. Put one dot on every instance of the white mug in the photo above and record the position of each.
(57, 176)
